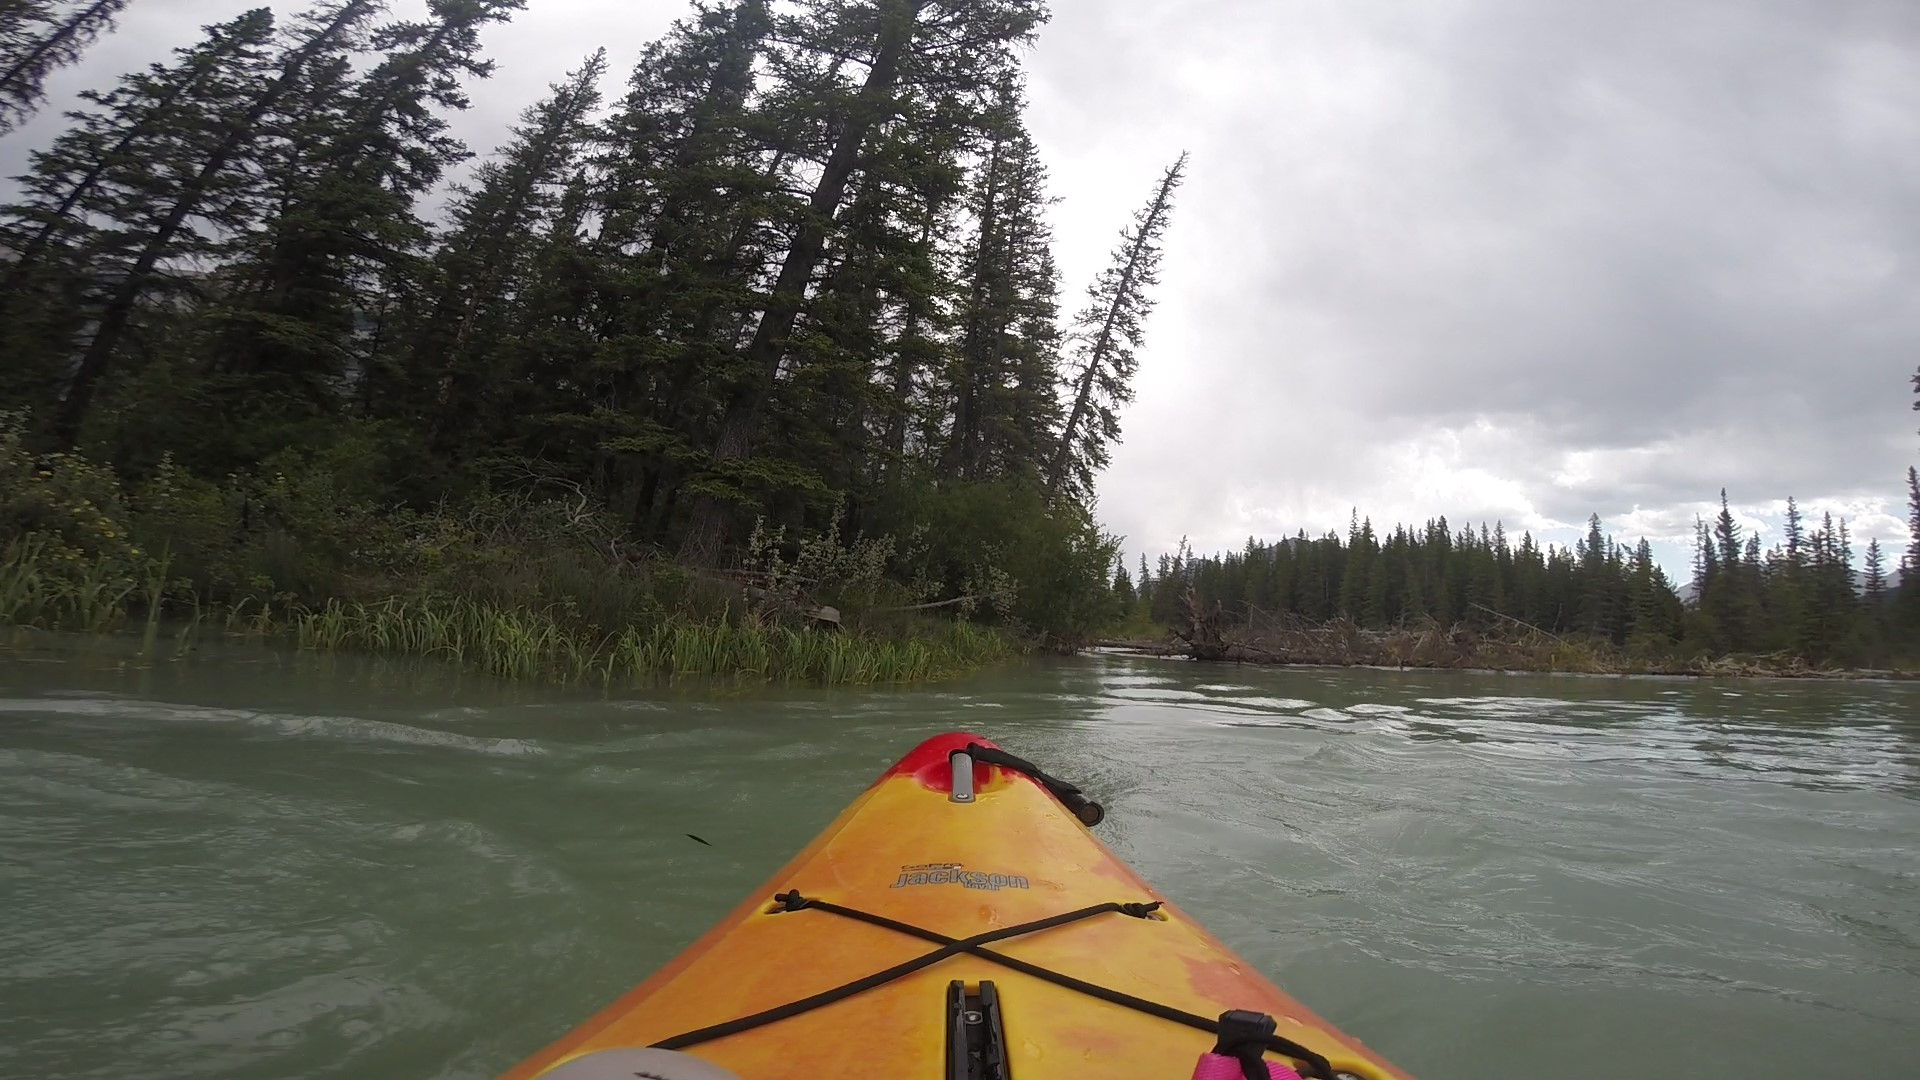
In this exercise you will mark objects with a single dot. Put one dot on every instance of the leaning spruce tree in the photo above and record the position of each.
(168, 232)
(346, 229)
(482, 267)
(34, 42)
(97, 186)
(910, 47)
(1106, 333)
(1000, 385)
(686, 184)
(129, 127)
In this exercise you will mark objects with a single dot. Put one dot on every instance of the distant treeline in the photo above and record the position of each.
(1804, 596)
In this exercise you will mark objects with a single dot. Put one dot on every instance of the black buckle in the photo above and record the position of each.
(1240, 1026)
(1244, 1035)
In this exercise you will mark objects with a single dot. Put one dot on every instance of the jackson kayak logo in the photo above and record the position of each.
(954, 874)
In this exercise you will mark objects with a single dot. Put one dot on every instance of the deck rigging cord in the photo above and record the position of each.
(793, 901)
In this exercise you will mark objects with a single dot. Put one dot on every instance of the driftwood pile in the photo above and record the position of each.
(1200, 627)
(1202, 633)
(1502, 643)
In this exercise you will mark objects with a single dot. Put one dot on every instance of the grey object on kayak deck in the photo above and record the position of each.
(626, 1063)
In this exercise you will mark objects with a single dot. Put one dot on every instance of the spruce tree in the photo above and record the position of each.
(1730, 596)
(130, 126)
(1814, 632)
(889, 41)
(1726, 534)
(1105, 335)
(556, 339)
(917, 351)
(1123, 587)
(911, 50)
(1357, 569)
(1904, 618)
(209, 189)
(1596, 580)
(1385, 584)
(887, 38)
(122, 156)
(689, 182)
(1653, 607)
(1795, 533)
(34, 42)
(1787, 587)
(1001, 375)
(481, 268)
(1874, 583)
(1911, 580)
(290, 336)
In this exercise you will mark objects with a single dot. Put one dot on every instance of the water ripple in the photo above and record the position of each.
(238, 871)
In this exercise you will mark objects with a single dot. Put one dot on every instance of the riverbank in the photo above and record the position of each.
(527, 644)
(513, 642)
(1465, 648)
(517, 585)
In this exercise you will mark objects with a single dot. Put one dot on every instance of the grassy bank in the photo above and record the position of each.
(502, 640)
(525, 643)
(516, 584)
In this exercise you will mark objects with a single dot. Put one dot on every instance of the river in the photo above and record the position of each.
(249, 864)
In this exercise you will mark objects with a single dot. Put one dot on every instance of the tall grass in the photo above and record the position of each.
(89, 595)
(523, 643)
(44, 589)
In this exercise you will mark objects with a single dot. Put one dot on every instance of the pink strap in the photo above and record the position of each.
(1222, 1067)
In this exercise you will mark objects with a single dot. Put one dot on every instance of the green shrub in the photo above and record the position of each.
(537, 582)
(68, 557)
(1045, 569)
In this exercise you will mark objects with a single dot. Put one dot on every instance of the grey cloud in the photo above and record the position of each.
(1492, 259)
(1674, 244)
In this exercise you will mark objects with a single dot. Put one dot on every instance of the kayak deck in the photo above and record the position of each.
(909, 850)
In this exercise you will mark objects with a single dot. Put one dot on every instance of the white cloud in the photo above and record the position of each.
(1517, 259)
(1489, 259)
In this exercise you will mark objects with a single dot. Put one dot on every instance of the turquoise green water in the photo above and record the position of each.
(255, 866)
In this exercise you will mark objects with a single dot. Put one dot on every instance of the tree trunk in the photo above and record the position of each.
(1205, 638)
(739, 424)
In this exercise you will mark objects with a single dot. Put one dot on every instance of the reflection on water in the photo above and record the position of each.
(240, 863)
(1863, 735)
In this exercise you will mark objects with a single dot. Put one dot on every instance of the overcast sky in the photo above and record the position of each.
(1519, 260)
